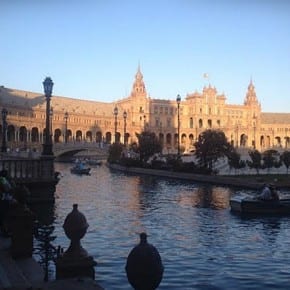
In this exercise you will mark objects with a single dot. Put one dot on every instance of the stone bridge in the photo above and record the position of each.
(65, 152)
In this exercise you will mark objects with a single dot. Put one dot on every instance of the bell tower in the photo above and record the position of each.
(251, 97)
(138, 89)
(254, 116)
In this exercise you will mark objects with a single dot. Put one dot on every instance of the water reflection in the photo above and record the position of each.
(206, 197)
(202, 245)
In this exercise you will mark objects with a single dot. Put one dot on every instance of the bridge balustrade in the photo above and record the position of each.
(27, 170)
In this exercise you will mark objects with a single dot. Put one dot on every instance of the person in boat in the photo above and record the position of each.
(79, 164)
(269, 193)
(265, 193)
(274, 192)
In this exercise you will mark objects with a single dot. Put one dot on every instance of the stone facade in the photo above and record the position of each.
(91, 121)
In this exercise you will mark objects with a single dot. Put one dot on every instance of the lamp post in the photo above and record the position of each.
(125, 118)
(50, 119)
(65, 129)
(4, 130)
(144, 118)
(115, 114)
(47, 146)
(178, 100)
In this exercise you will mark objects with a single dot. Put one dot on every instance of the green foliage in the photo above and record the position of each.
(115, 152)
(269, 159)
(255, 161)
(211, 145)
(234, 160)
(148, 145)
(174, 162)
(130, 162)
(285, 159)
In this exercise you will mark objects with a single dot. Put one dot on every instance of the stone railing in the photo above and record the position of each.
(37, 174)
(27, 169)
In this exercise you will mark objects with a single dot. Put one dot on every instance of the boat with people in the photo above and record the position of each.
(80, 168)
(244, 204)
(267, 201)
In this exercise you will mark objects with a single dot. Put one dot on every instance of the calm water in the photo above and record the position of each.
(202, 245)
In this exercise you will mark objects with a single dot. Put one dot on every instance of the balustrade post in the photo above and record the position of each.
(75, 261)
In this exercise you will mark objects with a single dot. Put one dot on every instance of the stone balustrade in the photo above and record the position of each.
(37, 174)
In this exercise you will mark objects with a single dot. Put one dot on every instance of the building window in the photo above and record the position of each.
(191, 123)
(200, 123)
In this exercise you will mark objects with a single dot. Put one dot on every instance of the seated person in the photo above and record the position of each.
(265, 194)
(274, 193)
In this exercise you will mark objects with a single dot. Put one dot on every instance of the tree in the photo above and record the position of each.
(115, 152)
(255, 161)
(234, 160)
(148, 145)
(211, 145)
(269, 159)
(285, 159)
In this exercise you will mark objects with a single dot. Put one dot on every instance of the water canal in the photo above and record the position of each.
(202, 245)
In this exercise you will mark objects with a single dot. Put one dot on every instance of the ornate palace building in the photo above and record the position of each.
(74, 120)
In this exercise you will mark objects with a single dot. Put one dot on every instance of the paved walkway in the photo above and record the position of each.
(26, 273)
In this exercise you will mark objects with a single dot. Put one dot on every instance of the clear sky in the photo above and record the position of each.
(91, 48)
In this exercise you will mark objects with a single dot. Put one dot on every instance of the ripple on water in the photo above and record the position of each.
(202, 245)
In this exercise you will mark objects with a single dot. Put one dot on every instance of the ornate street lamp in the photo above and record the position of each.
(115, 114)
(65, 129)
(4, 130)
(178, 100)
(125, 117)
(47, 146)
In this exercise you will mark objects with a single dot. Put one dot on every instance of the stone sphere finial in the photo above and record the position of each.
(75, 227)
(144, 266)
(75, 261)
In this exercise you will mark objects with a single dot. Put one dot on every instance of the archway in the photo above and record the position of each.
(10, 133)
(89, 136)
(168, 139)
(108, 137)
(191, 138)
(79, 135)
(99, 137)
(161, 139)
(23, 134)
(57, 135)
(34, 135)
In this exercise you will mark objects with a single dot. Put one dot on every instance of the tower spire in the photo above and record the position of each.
(138, 85)
(251, 97)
